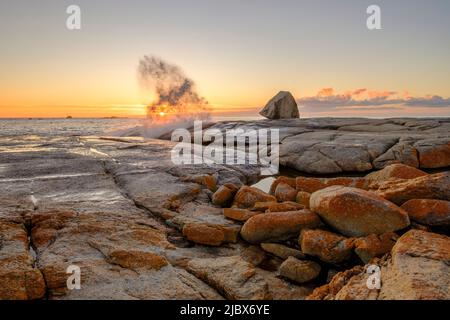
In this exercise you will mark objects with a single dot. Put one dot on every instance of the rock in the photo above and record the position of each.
(136, 259)
(303, 198)
(246, 197)
(289, 181)
(402, 152)
(395, 171)
(237, 279)
(329, 291)
(299, 271)
(285, 192)
(432, 186)
(239, 214)
(373, 245)
(356, 212)
(417, 269)
(326, 246)
(281, 106)
(285, 206)
(206, 180)
(330, 145)
(263, 206)
(433, 153)
(277, 226)
(281, 250)
(19, 279)
(253, 254)
(428, 211)
(312, 185)
(222, 196)
(211, 235)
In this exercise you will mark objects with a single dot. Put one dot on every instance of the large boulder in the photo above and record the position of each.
(281, 106)
(277, 226)
(418, 269)
(356, 212)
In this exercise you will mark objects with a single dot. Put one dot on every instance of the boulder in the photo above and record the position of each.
(395, 171)
(277, 226)
(430, 212)
(263, 206)
(432, 186)
(281, 250)
(203, 234)
(246, 197)
(222, 196)
(326, 246)
(311, 185)
(281, 106)
(285, 192)
(417, 269)
(433, 153)
(299, 271)
(373, 245)
(356, 212)
(290, 181)
(285, 206)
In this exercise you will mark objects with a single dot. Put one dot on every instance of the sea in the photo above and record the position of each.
(85, 126)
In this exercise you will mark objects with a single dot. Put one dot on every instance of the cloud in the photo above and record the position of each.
(363, 98)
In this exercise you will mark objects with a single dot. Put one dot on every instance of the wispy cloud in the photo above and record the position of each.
(363, 98)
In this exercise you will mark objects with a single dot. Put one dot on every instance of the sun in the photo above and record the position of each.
(162, 114)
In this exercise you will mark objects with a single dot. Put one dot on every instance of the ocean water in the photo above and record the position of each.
(82, 127)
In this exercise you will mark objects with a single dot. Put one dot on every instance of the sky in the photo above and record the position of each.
(240, 53)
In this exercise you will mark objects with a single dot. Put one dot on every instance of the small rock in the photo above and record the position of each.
(239, 214)
(246, 197)
(275, 226)
(203, 234)
(373, 245)
(290, 181)
(281, 250)
(428, 211)
(222, 196)
(281, 106)
(326, 246)
(299, 270)
(285, 206)
(263, 206)
(356, 212)
(303, 198)
(285, 192)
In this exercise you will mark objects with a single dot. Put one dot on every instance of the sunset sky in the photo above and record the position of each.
(239, 53)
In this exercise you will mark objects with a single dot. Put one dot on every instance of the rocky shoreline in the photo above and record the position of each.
(140, 227)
